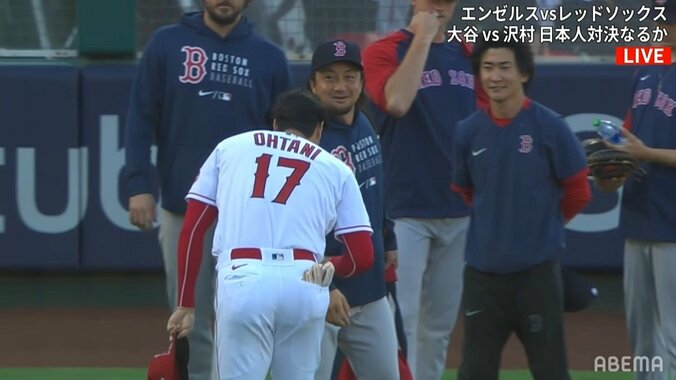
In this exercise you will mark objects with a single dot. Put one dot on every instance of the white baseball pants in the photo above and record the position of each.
(268, 318)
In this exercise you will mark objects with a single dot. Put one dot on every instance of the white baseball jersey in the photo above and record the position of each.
(278, 190)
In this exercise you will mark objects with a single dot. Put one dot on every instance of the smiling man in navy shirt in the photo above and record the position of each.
(359, 318)
(523, 171)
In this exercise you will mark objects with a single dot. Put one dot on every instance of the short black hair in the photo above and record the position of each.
(523, 55)
(300, 110)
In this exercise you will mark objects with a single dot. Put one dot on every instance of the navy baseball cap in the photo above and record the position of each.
(669, 11)
(336, 51)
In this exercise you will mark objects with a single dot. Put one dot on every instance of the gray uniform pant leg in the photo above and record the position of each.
(429, 289)
(369, 342)
(201, 366)
(650, 304)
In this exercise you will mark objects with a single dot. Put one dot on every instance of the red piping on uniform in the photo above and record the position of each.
(505, 122)
(351, 257)
(187, 257)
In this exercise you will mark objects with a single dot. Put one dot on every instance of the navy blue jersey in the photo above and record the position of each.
(358, 147)
(515, 174)
(193, 89)
(648, 206)
(417, 148)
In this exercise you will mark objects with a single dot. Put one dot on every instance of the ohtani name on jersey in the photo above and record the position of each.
(287, 144)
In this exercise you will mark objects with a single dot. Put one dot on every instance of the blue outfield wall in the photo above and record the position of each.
(62, 202)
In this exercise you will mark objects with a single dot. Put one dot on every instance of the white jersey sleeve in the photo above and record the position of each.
(351, 211)
(205, 187)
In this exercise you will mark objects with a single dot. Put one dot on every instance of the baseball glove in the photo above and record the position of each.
(320, 274)
(606, 163)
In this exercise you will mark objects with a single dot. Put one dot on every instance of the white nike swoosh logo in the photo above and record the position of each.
(473, 312)
(371, 181)
(645, 77)
(478, 152)
(205, 93)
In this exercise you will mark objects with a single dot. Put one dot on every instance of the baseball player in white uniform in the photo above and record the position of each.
(276, 194)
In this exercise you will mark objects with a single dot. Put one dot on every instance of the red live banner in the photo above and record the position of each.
(643, 55)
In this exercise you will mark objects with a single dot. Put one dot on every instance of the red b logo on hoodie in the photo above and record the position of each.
(194, 64)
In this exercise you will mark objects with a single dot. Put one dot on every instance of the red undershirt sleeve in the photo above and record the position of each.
(380, 62)
(576, 194)
(464, 192)
(198, 218)
(358, 256)
(627, 120)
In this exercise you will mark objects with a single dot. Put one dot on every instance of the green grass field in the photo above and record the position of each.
(136, 374)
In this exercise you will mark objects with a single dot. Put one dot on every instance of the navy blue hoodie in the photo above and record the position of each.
(193, 89)
(357, 145)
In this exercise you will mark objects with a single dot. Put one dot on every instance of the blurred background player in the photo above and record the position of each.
(199, 81)
(523, 171)
(425, 86)
(359, 319)
(270, 232)
(647, 217)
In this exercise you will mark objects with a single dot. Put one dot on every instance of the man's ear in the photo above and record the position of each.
(311, 83)
(274, 125)
(318, 131)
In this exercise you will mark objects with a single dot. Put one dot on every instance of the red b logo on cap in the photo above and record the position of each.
(340, 49)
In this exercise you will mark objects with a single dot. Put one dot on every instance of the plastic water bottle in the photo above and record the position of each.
(609, 131)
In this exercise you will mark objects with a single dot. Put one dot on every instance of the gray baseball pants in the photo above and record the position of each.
(201, 365)
(369, 342)
(650, 305)
(430, 272)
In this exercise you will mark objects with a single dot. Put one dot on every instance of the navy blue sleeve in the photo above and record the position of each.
(143, 118)
(389, 237)
(334, 247)
(461, 175)
(566, 152)
(280, 83)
